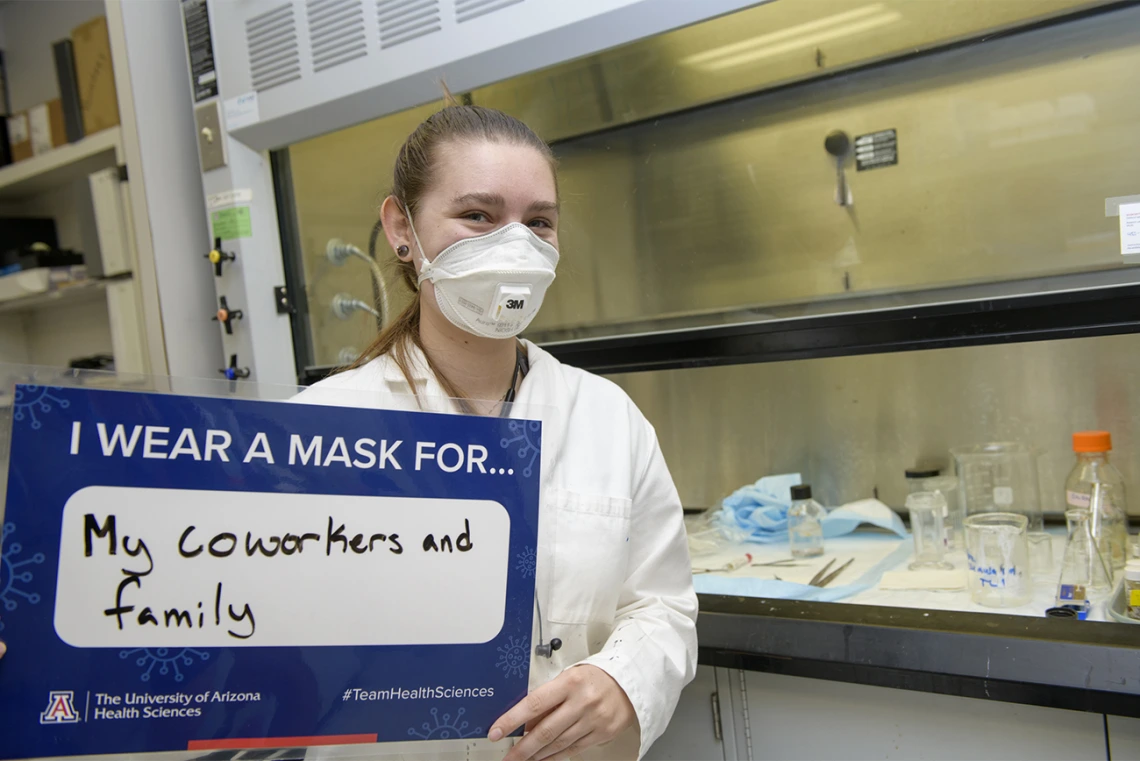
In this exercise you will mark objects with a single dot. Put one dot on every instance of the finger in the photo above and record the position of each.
(536, 704)
(545, 733)
(584, 743)
(530, 725)
(566, 740)
(3, 649)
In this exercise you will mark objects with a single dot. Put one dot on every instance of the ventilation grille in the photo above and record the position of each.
(404, 20)
(465, 10)
(336, 32)
(272, 41)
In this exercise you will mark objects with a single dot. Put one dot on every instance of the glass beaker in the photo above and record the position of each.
(927, 510)
(1085, 576)
(999, 477)
(997, 555)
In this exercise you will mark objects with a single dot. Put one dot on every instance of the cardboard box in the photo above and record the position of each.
(47, 128)
(95, 75)
(19, 136)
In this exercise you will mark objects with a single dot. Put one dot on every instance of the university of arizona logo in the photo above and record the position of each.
(61, 708)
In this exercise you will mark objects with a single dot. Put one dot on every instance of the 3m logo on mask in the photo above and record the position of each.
(509, 305)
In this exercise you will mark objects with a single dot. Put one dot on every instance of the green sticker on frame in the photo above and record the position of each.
(232, 223)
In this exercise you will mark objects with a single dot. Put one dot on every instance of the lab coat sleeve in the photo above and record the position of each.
(652, 651)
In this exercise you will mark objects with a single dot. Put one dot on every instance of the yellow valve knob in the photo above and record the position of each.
(214, 256)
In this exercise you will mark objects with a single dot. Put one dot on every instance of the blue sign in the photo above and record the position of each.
(185, 573)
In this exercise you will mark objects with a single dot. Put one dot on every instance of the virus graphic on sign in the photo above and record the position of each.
(32, 399)
(527, 435)
(166, 659)
(13, 572)
(526, 563)
(513, 657)
(444, 728)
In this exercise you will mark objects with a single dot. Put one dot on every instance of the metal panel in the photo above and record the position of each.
(725, 214)
(691, 734)
(405, 20)
(465, 10)
(1079, 665)
(810, 719)
(336, 32)
(732, 206)
(273, 55)
(852, 425)
(211, 142)
(503, 42)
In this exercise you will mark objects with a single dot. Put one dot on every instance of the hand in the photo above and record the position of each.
(582, 707)
(3, 649)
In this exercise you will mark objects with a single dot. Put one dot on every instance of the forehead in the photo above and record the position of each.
(519, 173)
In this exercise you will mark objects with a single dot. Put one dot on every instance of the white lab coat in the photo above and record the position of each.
(613, 576)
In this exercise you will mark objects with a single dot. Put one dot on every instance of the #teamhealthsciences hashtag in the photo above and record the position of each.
(420, 693)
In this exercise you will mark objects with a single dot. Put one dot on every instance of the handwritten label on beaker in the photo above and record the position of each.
(994, 576)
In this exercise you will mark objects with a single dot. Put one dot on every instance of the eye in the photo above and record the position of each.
(476, 216)
(540, 222)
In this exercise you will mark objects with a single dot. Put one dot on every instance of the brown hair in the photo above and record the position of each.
(411, 177)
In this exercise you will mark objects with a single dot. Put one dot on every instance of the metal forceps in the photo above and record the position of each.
(823, 578)
(785, 563)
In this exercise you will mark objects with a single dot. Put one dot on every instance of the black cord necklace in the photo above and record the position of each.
(522, 367)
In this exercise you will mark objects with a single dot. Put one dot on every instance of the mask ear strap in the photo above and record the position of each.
(425, 265)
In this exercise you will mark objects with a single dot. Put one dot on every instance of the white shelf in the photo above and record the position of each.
(60, 166)
(91, 290)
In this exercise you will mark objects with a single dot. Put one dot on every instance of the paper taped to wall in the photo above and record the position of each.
(1130, 229)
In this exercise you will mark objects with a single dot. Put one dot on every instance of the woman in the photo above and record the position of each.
(473, 219)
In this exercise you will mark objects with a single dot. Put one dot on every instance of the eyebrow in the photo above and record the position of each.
(494, 199)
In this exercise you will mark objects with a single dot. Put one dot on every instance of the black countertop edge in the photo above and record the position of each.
(1076, 665)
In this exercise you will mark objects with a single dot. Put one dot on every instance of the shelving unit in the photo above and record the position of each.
(84, 318)
(91, 291)
(61, 166)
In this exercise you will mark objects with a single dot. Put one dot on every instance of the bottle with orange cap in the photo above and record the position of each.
(1096, 485)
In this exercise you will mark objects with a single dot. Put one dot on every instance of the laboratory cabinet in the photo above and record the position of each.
(739, 715)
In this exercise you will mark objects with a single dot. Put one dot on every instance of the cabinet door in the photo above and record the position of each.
(692, 734)
(796, 718)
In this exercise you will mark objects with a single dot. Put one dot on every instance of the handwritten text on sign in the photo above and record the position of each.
(143, 567)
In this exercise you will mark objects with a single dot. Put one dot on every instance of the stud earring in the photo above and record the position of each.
(402, 251)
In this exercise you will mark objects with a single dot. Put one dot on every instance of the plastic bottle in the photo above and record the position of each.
(1096, 485)
(805, 527)
(1132, 588)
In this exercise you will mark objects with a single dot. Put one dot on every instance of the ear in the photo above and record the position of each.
(397, 229)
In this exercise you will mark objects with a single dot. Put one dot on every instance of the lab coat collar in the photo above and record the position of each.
(544, 395)
(421, 373)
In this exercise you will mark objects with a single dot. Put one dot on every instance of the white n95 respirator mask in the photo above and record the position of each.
(492, 285)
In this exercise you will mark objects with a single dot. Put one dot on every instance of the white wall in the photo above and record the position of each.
(28, 60)
(171, 185)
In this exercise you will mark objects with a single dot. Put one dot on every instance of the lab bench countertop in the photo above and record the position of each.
(929, 641)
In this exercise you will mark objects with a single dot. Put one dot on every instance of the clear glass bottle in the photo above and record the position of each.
(805, 527)
(1086, 577)
(1096, 485)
